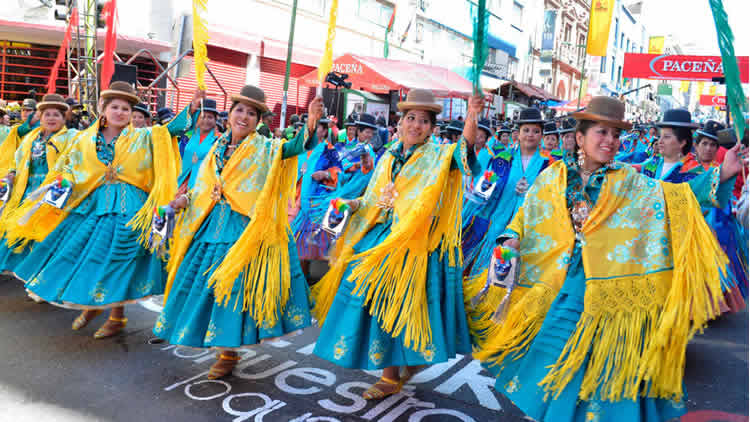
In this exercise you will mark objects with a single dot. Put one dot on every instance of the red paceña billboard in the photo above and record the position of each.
(678, 68)
(713, 100)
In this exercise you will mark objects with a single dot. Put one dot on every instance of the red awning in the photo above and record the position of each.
(530, 91)
(380, 76)
(38, 33)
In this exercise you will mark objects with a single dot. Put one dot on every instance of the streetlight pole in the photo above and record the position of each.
(288, 64)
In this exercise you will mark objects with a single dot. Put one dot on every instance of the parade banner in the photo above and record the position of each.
(655, 45)
(713, 100)
(110, 44)
(326, 62)
(548, 36)
(388, 31)
(200, 39)
(680, 68)
(599, 22)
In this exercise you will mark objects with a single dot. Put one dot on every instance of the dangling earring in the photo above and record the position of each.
(581, 157)
(103, 121)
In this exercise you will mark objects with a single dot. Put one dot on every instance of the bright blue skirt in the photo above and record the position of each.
(519, 379)
(191, 316)
(352, 338)
(92, 259)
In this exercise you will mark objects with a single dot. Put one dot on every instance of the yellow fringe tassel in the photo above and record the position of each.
(261, 255)
(480, 316)
(164, 188)
(393, 274)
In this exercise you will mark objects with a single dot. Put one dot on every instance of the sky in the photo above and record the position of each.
(692, 24)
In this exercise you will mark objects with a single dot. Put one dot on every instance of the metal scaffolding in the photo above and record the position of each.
(82, 54)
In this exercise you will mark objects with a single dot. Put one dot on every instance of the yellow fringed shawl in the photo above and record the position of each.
(8, 146)
(22, 164)
(393, 274)
(652, 281)
(134, 163)
(258, 183)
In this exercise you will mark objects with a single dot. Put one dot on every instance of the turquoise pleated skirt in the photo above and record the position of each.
(191, 317)
(519, 379)
(352, 338)
(92, 260)
(9, 259)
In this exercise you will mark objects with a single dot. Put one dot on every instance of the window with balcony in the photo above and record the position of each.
(568, 30)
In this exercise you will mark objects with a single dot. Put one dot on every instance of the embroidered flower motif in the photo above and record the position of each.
(99, 294)
(593, 412)
(429, 352)
(161, 324)
(294, 315)
(513, 385)
(210, 333)
(340, 349)
(376, 352)
(182, 335)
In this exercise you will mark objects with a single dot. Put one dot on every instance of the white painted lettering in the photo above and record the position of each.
(185, 352)
(433, 372)
(189, 393)
(419, 415)
(343, 390)
(410, 403)
(481, 385)
(385, 405)
(239, 371)
(315, 375)
(173, 386)
(268, 406)
(307, 350)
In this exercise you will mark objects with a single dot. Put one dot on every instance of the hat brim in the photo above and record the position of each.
(554, 132)
(504, 131)
(406, 105)
(530, 122)
(678, 124)
(53, 104)
(620, 124)
(366, 125)
(485, 128)
(251, 102)
(572, 129)
(706, 134)
(212, 110)
(111, 93)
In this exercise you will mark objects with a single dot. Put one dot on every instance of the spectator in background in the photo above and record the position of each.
(278, 133)
(28, 107)
(291, 130)
(266, 120)
(382, 138)
(141, 116)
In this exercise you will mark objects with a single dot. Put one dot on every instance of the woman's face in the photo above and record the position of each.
(505, 138)
(139, 120)
(207, 121)
(569, 141)
(321, 132)
(530, 136)
(481, 139)
(52, 120)
(416, 126)
(551, 142)
(118, 113)
(351, 132)
(243, 119)
(670, 146)
(706, 149)
(600, 143)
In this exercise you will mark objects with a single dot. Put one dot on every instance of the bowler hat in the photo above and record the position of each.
(677, 117)
(121, 90)
(72, 103)
(210, 105)
(142, 108)
(53, 101)
(605, 109)
(253, 96)
(710, 130)
(530, 115)
(367, 120)
(164, 114)
(484, 125)
(568, 125)
(550, 128)
(505, 129)
(268, 114)
(350, 121)
(420, 99)
(455, 126)
(29, 103)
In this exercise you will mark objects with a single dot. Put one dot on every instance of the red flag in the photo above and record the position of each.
(389, 28)
(52, 82)
(110, 43)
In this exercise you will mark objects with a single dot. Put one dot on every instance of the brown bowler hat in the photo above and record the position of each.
(606, 110)
(420, 99)
(121, 90)
(252, 96)
(53, 101)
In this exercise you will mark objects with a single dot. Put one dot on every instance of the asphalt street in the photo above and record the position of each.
(50, 373)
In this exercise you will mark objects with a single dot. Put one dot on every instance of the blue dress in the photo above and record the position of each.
(37, 173)
(483, 220)
(520, 378)
(193, 155)
(191, 317)
(92, 260)
(352, 338)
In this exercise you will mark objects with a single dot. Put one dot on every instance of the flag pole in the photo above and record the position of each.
(583, 65)
(288, 64)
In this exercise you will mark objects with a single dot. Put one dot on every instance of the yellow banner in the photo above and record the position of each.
(655, 45)
(685, 86)
(601, 18)
(326, 62)
(700, 88)
(584, 89)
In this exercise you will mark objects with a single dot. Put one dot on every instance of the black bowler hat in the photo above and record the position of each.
(677, 117)
(710, 130)
(504, 129)
(530, 115)
(550, 128)
(366, 120)
(455, 126)
(350, 121)
(484, 125)
(143, 109)
(568, 125)
(210, 105)
(164, 113)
